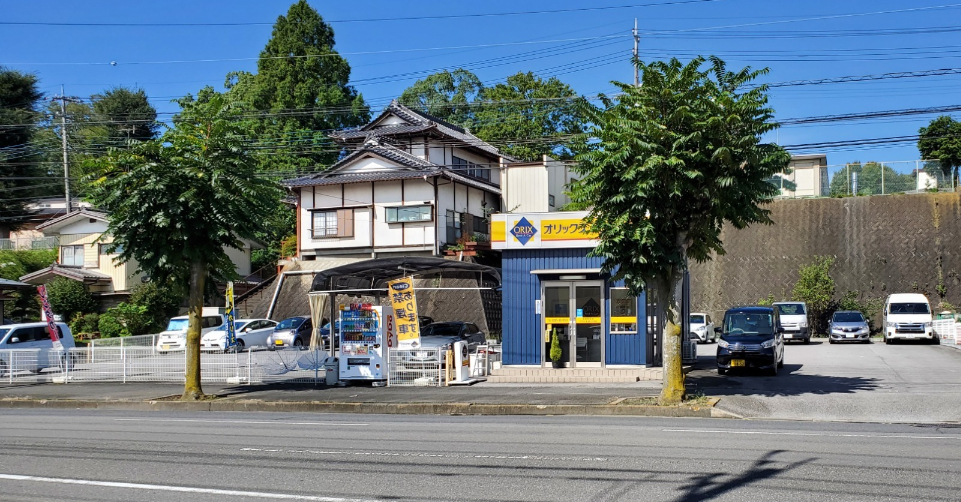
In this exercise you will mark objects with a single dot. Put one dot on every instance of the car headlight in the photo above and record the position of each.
(700, 328)
(722, 343)
(767, 344)
(928, 324)
(802, 324)
(892, 325)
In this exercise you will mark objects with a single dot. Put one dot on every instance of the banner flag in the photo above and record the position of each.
(404, 301)
(231, 329)
(48, 313)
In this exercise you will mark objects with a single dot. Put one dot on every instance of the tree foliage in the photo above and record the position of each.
(672, 161)
(19, 114)
(941, 141)
(160, 301)
(867, 178)
(526, 116)
(15, 264)
(177, 203)
(126, 114)
(815, 287)
(68, 298)
(301, 92)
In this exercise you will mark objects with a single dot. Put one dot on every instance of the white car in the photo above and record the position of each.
(250, 333)
(174, 338)
(907, 316)
(702, 328)
(33, 345)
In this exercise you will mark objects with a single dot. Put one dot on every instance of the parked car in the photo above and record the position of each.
(32, 336)
(752, 337)
(291, 332)
(794, 319)
(907, 316)
(848, 326)
(702, 328)
(441, 336)
(174, 338)
(250, 333)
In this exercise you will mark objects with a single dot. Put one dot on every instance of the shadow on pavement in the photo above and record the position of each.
(789, 382)
(709, 486)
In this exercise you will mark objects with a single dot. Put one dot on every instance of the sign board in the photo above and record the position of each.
(404, 302)
(541, 231)
(48, 314)
(231, 329)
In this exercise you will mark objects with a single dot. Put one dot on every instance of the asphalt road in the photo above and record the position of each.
(906, 382)
(113, 456)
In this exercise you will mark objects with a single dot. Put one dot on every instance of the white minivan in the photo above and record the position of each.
(907, 316)
(32, 336)
(174, 338)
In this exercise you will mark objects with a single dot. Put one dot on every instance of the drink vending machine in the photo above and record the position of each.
(363, 341)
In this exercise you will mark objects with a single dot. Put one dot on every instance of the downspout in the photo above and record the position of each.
(436, 220)
(373, 214)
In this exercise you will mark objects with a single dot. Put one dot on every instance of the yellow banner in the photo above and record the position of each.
(404, 302)
(623, 320)
(588, 320)
(557, 320)
(565, 230)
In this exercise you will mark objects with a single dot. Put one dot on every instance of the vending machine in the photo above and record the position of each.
(363, 342)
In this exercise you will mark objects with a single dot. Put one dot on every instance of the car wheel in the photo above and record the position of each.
(773, 370)
(888, 341)
(807, 340)
(298, 342)
(936, 340)
(721, 371)
(831, 341)
(780, 364)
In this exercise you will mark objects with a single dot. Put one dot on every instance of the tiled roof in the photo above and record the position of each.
(89, 213)
(391, 130)
(77, 274)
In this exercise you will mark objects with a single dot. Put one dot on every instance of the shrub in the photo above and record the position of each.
(124, 320)
(68, 298)
(110, 326)
(766, 302)
(870, 307)
(816, 288)
(160, 303)
(85, 323)
(556, 352)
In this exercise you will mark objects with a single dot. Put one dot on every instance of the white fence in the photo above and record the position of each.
(948, 330)
(417, 367)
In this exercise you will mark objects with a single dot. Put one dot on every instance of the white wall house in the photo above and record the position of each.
(411, 185)
(808, 174)
(536, 187)
(82, 255)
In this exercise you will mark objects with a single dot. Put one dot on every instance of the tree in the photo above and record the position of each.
(126, 114)
(871, 178)
(177, 203)
(161, 302)
(941, 141)
(528, 117)
(446, 95)
(671, 161)
(815, 287)
(69, 298)
(19, 170)
(299, 93)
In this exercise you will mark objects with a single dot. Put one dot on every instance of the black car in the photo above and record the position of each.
(751, 337)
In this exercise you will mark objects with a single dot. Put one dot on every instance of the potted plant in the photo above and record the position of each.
(556, 352)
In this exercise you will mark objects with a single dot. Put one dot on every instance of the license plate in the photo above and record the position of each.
(278, 342)
(165, 347)
(788, 335)
(737, 363)
(849, 335)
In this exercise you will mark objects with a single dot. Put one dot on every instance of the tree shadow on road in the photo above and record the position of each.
(712, 485)
(789, 382)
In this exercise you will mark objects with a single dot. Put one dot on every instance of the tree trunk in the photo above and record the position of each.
(195, 307)
(672, 388)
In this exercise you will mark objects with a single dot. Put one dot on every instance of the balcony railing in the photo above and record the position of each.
(21, 243)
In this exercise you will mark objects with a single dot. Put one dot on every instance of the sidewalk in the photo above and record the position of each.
(479, 399)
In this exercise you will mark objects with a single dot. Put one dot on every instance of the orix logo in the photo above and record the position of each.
(523, 231)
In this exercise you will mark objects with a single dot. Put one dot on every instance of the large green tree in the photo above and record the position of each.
(672, 161)
(941, 141)
(870, 178)
(19, 169)
(126, 114)
(446, 95)
(527, 117)
(176, 205)
(299, 93)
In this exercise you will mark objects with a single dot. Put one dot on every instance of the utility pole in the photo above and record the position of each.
(637, 39)
(63, 136)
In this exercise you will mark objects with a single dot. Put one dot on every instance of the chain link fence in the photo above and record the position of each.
(868, 178)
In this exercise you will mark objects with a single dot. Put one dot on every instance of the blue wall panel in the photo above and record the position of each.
(522, 339)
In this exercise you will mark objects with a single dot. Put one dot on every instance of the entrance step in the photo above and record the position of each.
(574, 375)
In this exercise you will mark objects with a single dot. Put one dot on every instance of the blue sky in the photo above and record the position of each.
(585, 48)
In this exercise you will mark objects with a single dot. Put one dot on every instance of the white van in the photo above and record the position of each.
(794, 320)
(31, 336)
(175, 336)
(907, 316)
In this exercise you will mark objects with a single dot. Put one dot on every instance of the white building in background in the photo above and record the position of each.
(809, 176)
(412, 185)
(536, 187)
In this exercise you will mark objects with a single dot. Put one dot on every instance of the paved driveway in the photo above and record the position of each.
(874, 382)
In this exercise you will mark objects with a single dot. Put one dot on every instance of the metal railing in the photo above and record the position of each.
(947, 330)
(18, 243)
(415, 368)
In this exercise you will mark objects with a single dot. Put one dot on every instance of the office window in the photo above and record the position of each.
(407, 214)
(71, 256)
(550, 200)
(333, 223)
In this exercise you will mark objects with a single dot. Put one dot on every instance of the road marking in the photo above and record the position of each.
(822, 434)
(181, 489)
(422, 455)
(210, 421)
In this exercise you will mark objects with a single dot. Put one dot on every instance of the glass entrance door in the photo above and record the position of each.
(573, 312)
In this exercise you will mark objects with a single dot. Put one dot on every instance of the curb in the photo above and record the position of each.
(706, 411)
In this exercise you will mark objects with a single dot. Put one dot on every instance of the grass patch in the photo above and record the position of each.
(696, 399)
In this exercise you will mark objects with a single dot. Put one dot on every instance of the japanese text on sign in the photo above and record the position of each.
(404, 302)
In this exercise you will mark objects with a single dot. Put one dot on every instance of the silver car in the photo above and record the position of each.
(849, 326)
(438, 337)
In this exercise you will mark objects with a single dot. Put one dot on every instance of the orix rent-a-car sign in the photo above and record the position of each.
(557, 230)
(404, 301)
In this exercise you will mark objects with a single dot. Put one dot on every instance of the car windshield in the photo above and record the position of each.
(441, 330)
(748, 324)
(791, 309)
(697, 319)
(177, 325)
(291, 323)
(848, 317)
(910, 308)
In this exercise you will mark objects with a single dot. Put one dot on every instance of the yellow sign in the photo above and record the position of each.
(557, 320)
(404, 302)
(565, 230)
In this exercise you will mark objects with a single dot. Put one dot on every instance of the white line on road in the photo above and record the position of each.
(182, 489)
(431, 455)
(822, 434)
(270, 422)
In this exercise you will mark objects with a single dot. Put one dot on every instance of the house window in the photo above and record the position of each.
(623, 312)
(471, 169)
(333, 223)
(550, 200)
(407, 214)
(71, 256)
(103, 250)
